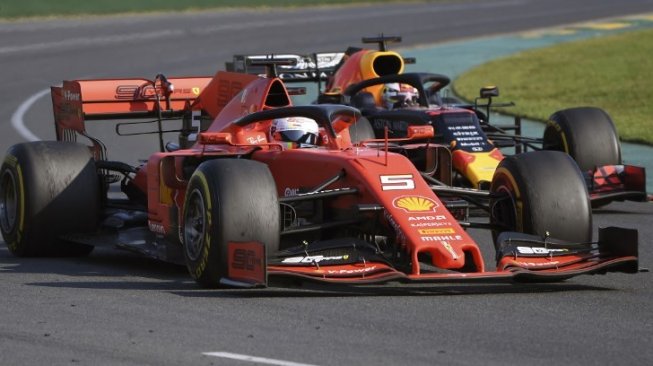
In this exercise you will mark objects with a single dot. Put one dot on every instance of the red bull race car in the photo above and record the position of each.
(239, 201)
(375, 82)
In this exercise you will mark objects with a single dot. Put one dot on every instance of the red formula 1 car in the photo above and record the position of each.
(237, 206)
(360, 78)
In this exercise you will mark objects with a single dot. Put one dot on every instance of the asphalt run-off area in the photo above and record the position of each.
(471, 53)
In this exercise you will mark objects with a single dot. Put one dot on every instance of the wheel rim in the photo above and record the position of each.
(195, 225)
(8, 201)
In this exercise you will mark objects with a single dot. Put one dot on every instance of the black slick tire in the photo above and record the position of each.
(587, 134)
(541, 193)
(48, 189)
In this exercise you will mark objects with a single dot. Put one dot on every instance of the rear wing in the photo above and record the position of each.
(313, 67)
(198, 99)
(100, 99)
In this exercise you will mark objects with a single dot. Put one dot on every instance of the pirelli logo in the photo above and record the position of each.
(437, 231)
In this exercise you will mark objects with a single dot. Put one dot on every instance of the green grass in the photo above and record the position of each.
(613, 72)
(12, 9)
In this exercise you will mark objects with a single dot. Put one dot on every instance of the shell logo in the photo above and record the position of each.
(415, 204)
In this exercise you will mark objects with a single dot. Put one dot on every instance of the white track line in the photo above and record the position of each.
(17, 118)
(247, 358)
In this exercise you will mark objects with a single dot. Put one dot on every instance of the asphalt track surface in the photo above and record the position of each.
(114, 308)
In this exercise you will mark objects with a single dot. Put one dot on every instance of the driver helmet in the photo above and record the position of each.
(298, 131)
(397, 95)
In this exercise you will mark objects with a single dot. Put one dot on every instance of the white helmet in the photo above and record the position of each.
(301, 130)
(399, 95)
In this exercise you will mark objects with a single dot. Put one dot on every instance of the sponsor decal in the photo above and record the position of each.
(350, 271)
(401, 237)
(11, 160)
(305, 191)
(396, 126)
(246, 261)
(157, 228)
(427, 218)
(441, 238)
(449, 248)
(430, 224)
(70, 96)
(133, 92)
(137, 92)
(289, 192)
(539, 250)
(415, 204)
(315, 259)
(533, 264)
(448, 230)
(255, 140)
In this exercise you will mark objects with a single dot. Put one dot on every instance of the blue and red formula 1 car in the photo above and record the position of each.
(362, 78)
(237, 205)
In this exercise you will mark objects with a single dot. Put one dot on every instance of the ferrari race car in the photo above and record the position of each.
(362, 78)
(237, 206)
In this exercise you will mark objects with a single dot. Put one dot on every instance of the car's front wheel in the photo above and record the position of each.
(541, 193)
(229, 201)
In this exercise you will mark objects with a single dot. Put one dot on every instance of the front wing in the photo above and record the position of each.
(520, 258)
(616, 182)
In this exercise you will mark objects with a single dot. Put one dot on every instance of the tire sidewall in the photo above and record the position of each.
(59, 194)
(12, 170)
(550, 195)
(587, 134)
(199, 267)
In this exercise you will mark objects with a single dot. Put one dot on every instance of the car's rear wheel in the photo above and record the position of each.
(227, 201)
(587, 134)
(48, 189)
(541, 193)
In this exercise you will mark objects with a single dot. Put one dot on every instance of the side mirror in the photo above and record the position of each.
(420, 132)
(489, 91)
